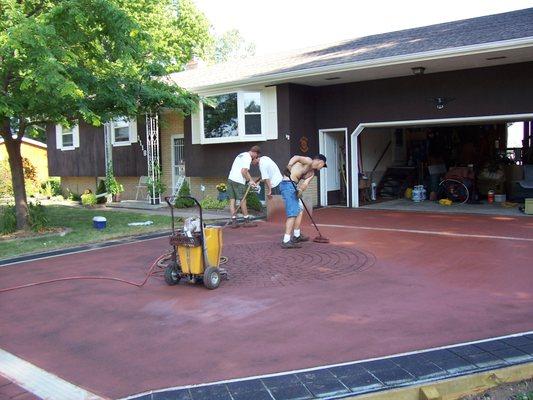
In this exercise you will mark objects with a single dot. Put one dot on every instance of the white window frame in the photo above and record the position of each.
(131, 123)
(242, 136)
(75, 138)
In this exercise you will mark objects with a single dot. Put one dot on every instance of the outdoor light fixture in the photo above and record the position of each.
(440, 102)
(418, 70)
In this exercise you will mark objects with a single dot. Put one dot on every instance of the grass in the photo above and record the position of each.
(79, 220)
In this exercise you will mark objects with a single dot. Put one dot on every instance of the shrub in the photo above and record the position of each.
(6, 188)
(38, 219)
(73, 196)
(210, 203)
(88, 199)
(253, 202)
(8, 220)
(101, 189)
(184, 191)
(51, 188)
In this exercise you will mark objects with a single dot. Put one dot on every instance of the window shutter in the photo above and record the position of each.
(270, 113)
(133, 130)
(196, 127)
(59, 139)
(76, 136)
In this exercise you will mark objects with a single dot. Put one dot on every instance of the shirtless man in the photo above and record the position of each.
(300, 171)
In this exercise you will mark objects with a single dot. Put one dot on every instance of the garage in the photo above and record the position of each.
(477, 164)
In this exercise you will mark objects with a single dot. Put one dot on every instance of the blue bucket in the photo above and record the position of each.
(99, 222)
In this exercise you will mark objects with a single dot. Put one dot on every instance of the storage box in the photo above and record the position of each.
(99, 222)
(529, 206)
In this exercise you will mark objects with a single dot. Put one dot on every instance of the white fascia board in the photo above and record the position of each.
(375, 63)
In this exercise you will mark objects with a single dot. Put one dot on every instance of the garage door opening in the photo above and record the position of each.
(477, 165)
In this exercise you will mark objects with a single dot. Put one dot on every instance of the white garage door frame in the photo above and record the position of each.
(412, 123)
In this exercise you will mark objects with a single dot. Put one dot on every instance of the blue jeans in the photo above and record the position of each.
(290, 198)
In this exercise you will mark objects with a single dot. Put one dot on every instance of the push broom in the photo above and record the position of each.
(319, 238)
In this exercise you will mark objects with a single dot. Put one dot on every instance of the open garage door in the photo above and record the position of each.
(470, 161)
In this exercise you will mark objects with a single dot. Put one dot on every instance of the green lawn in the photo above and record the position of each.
(80, 221)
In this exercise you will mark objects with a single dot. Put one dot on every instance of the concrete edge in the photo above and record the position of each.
(454, 388)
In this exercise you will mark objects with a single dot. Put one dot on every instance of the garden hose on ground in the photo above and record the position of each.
(151, 272)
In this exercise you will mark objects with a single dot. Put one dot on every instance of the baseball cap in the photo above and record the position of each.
(321, 157)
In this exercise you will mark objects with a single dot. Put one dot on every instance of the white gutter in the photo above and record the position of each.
(375, 63)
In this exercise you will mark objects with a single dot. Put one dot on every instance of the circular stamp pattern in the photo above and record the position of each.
(265, 264)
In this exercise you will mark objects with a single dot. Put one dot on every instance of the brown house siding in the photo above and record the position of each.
(89, 159)
(475, 92)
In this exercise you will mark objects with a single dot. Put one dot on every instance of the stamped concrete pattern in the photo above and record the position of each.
(263, 264)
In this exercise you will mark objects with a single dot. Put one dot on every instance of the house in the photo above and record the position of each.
(382, 108)
(35, 152)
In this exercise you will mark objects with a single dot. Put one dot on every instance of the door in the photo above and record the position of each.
(333, 141)
(178, 162)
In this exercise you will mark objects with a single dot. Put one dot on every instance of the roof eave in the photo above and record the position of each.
(375, 63)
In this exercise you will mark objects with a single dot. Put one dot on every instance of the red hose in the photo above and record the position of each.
(108, 278)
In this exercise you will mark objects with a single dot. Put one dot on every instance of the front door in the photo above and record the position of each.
(334, 152)
(178, 162)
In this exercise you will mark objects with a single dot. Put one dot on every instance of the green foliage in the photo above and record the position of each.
(88, 199)
(51, 188)
(253, 202)
(156, 186)
(230, 46)
(100, 59)
(111, 184)
(180, 201)
(6, 187)
(73, 196)
(210, 203)
(38, 219)
(8, 220)
(101, 189)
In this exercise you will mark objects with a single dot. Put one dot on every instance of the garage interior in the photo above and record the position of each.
(473, 167)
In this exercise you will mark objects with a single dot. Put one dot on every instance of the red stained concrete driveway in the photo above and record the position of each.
(369, 293)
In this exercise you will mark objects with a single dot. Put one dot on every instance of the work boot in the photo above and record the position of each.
(290, 245)
(234, 224)
(248, 223)
(300, 239)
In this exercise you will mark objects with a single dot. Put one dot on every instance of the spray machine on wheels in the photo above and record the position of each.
(196, 251)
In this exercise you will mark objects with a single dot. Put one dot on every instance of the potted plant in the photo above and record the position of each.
(113, 187)
(156, 187)
(222, 192)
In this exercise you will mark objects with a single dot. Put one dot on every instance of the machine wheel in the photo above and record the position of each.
(172, 275)
(211, 278)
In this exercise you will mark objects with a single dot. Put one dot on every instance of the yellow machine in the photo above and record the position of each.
(195, 253)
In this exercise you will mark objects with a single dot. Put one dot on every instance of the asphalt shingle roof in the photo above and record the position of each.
(468, 32)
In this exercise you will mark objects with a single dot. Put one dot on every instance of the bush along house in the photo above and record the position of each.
(389, 111)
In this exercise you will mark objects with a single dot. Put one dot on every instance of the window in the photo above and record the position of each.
(252, 113)
(123, 131)
(67, 138)
(220, 116)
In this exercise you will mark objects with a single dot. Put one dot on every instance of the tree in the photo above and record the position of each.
(67, 60)
(231, 45)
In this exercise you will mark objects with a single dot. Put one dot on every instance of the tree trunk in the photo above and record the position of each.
(17, 177)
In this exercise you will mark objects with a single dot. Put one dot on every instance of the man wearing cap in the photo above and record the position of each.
(236, 187)
(298, 174)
